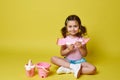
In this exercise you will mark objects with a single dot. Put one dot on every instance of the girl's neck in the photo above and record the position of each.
(71, 36)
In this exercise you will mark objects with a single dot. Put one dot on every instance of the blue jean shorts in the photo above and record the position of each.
(76, 61)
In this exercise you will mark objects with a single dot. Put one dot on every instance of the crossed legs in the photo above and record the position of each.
(86, 68)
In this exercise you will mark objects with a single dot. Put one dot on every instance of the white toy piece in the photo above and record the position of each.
(29, 66)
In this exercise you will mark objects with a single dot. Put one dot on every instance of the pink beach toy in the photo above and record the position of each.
(63, 41)
(30, 69)
(43, 69)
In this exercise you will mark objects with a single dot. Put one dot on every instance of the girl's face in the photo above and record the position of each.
(72, 27)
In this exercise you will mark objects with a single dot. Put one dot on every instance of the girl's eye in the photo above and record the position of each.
(75, 26)
(69, 26)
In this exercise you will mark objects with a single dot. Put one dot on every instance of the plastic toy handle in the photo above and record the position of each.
(30, 62)
(44, 69)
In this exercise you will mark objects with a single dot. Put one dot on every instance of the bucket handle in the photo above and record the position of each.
(44, 69)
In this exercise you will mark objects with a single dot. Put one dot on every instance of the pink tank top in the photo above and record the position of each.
(75, 54)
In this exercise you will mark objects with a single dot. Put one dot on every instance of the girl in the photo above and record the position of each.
(73, 49)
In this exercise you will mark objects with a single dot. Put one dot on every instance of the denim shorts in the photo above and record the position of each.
(76, 61)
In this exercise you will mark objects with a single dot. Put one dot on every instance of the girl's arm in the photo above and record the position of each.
(65, 50)
(82, 48)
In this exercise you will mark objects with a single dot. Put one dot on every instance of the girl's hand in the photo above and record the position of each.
(70, 47)
(78, 44)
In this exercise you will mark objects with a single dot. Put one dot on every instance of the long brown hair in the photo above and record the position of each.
(82, 28)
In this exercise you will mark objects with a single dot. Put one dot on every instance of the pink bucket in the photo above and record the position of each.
(43, 69)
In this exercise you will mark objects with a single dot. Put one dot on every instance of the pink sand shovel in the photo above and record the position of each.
(43, 69)
(30, 69)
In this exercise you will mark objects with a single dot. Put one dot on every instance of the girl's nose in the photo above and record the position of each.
(73, 28)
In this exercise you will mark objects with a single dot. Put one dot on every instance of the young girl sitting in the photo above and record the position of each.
(73, 49)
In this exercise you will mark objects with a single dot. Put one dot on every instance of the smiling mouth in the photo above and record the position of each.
(73, 31)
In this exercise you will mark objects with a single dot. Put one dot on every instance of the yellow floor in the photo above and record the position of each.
(29, 29)
(12, 63)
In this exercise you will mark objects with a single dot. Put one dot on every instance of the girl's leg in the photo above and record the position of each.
(64, 65)
(88, 68)
(60, 61)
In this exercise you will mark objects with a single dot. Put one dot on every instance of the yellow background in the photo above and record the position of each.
(29, 30)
